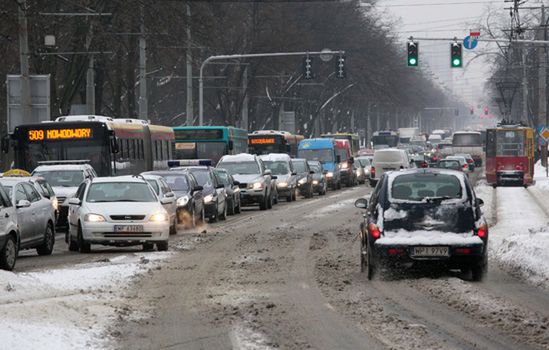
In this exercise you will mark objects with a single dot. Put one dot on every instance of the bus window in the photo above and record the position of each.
(510, 143)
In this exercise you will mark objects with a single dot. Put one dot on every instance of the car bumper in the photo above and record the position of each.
(104, 232)
(510, 176)
(458, 254)
(284, 191)
(210, 209)
(251, 196)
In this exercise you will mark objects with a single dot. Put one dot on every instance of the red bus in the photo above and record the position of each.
(510, 155)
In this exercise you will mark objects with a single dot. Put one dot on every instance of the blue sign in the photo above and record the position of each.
(469, 43)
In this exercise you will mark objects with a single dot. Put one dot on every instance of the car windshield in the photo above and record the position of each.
(154, 185)
(62, 178)
(317, 168)
(321, 155)
(448, 164)
(299, 166)
(240, 168)
(120, 192)
(277, 167)
(364, 161)
(202, 177)
(387, 156)
(177, 182)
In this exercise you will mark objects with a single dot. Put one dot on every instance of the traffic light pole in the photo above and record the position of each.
(250, 55)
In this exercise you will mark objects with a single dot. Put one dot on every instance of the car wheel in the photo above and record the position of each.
(339, 185)
(363, 258)
(8, 254)
(162, 246)
(83, 246)
(215, 216)
(223, 215)
(294, 195)
(479, 269)
(46, 248)
(73, 245)
(263, 204)
(275, 198)
(270, 201)
(193, 218)
(147, 247)
(173, 228)
(232, 208)
(238, 209)
(371, 263)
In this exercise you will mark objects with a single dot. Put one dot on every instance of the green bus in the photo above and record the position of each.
(209, 142)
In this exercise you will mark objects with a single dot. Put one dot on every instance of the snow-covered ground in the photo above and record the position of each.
(67, 308)
(519, 240)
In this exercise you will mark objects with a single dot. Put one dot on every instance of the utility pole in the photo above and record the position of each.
(245, 102)
(543, 117)
(143, 113)
(189, 59)
(26, 116)
(369, 125)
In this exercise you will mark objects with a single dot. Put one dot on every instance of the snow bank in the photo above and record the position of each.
(403, 237)
(69, 308)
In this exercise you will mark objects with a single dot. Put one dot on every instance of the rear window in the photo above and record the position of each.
(467, 140)
(418, 187)
(391, 157)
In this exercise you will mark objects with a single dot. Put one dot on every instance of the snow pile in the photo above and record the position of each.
(70, 308)
(519, 240)
(403, 237)
(542, 182)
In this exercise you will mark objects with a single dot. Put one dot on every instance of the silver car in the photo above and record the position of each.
(9, 232)
(119, 211)
(35, 214)
(163, 190)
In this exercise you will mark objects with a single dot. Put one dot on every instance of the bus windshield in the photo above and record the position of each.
(200, 150)
(389, 140)
(62, 178)
(467, 140)
(323, 155)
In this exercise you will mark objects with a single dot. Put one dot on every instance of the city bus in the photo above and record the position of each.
(353, 139)
(384, 139)
(273, 141)
(112, 146)
(510, 155)
(209, 142)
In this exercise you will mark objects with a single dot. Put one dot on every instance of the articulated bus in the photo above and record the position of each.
(209, 142)
(353, 139)
(510, 155)
(273, 141)
(112, 146)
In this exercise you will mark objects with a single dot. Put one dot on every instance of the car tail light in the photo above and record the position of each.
(482, 231)
(465, 166)
(462, 251)
(470, 161)
(424, 165)
(434, 158)
(519, 167)
(372, 172)
(374, 231)
(395, 251)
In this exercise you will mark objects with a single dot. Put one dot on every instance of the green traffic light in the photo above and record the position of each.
(456, 62)
(412, 62)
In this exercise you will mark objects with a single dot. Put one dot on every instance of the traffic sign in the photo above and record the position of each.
(543, 132)
(470, 42)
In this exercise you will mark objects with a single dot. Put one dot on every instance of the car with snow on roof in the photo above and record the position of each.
(282, 167)
(421, 217)
(118, 211)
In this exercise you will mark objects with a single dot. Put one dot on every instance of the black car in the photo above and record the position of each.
(304, 177)
(215, 196)
(424, 216)
(320, 185)
(190, 199)
(232, 189)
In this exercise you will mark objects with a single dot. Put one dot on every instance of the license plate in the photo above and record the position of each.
(128, 228)
(430, 251)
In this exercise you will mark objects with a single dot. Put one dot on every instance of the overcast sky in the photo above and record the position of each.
(446, 19)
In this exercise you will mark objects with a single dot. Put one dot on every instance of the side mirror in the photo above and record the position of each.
(220, 186)
(480, 202)
(311, 172)
(23, 203)
(361, 203)
(294, 173)
(325, 172)
(74, 201)
(165, 200)
(274, 177)
(169, 195)
(198, 188)
(236, 183)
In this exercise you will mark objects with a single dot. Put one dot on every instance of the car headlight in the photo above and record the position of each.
(55, 203)
(209, 198)
(344, 165)
(94, 218)
(358, 172)
(159, 217)
(182, 201)
(315, 182)
(282, 184)
(302, 181)
(257, 186)
(329, 174)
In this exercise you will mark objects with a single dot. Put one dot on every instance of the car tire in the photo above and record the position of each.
(147, 247)
(173, 227)
(371, 263)
(162, 246)
(339, 185)
(223, 215)
(263, 204)
(270, 201)
(46, 248)
(363, 258)
(479, 269)
(238, 209)
(83, 246)
(232, 209)
(8, 254)
(275, 198)
(294, 195)
(215, 217)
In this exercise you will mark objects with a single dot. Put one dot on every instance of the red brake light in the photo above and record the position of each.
(373, 172)
(470, 161)
(519, 167)
(462, 251)
(482, 231)
(434, 158)
(395, 251)
(465, 166)
(374, 231)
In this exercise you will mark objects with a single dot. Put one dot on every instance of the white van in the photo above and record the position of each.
(388, 159)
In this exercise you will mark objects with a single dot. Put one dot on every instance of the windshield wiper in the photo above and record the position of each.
(440, 198)
(126, 200)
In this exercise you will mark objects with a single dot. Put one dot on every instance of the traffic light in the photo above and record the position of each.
(486, 110)
(455, 55)
(413, 53)
(341, 72)
(307, 67)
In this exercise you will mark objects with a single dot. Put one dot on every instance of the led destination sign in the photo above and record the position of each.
(262, 141)
(59, 134)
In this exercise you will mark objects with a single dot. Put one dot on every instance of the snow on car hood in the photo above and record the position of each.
(404, 237)
(124, 208)
(247, 178)
(283, 178)
(65, 192)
